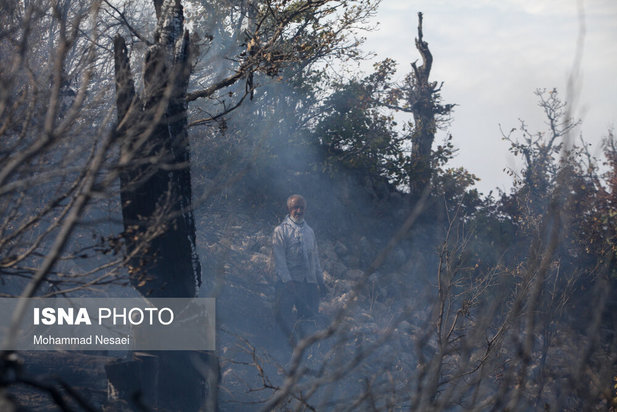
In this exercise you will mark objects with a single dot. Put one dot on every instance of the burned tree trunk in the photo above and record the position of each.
(155, 160)
(156, 207)
(424, 119)
(423, 100)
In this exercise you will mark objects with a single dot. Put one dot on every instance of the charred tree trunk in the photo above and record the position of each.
(424, 119)
(155, 160)
(424, 102)
(156, 205)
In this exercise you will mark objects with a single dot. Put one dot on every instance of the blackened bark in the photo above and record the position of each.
(158, 5)
(423, 100)
(424, 119)
(155, 183)
(156, 180)
(125, 88)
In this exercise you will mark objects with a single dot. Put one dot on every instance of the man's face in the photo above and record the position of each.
(296, 209)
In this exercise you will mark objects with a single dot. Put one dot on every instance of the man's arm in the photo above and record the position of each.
(278, 252)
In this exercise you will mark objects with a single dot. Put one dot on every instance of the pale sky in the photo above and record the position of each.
(492, 55)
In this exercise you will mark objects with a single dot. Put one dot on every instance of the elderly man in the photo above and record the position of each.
(297, 267)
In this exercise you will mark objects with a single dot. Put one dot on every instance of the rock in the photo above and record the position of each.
(404, 327)
(365, 246)
(352, 261)
(342, 286)
(340, 249)
(354, 274)
(260, 259)
(249, 244)
(334, 267)
(328, 278)
(262, 240)
(327, 250)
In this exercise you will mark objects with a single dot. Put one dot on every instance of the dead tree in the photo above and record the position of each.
(421, 97)
(155, 159)
(156, 204)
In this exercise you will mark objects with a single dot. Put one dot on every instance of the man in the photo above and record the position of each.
(297, 267)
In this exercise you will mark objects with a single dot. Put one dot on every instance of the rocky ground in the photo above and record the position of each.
(254, 354)
(378, 355)
(253, 351)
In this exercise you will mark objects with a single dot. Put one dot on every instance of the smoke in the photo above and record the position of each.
(472, 298)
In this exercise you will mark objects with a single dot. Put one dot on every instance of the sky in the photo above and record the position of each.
(493, 55)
